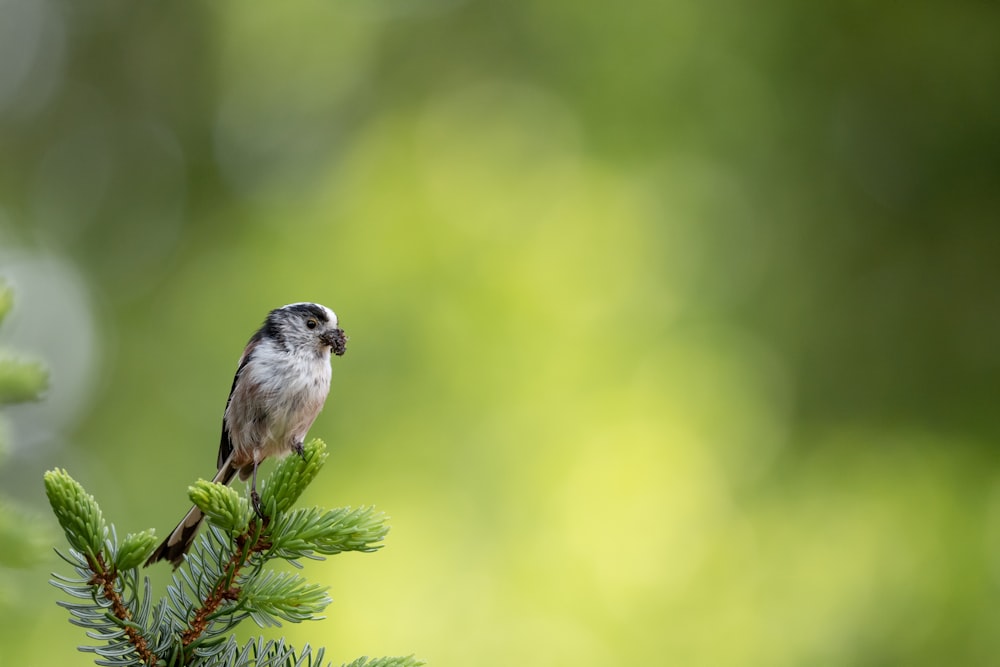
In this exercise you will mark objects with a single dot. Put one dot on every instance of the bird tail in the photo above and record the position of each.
(182, 537)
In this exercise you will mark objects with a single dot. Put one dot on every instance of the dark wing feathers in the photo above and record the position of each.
(225, 443)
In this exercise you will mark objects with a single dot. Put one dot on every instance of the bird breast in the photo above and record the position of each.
(276, 401)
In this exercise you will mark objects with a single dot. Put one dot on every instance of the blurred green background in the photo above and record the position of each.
(674, 325)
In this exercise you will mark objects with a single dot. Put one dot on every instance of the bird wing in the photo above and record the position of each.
(226, 443)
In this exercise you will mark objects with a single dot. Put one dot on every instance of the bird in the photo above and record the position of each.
(281, 384)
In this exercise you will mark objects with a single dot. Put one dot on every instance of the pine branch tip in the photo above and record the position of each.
(292, 475)
(134, 549)
(77, 512)
(221, 504)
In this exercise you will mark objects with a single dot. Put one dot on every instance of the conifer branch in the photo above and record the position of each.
(22, 536)
(106, 579)
(221, 592)
(20, 381)
(223, 581)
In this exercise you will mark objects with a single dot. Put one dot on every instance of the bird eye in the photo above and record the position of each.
(311, 323)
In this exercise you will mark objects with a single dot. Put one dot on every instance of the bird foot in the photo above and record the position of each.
(255, 501)
(299, 449)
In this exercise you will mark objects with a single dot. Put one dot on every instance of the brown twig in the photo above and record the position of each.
(221, 592)
(106, 579)
(223, 589)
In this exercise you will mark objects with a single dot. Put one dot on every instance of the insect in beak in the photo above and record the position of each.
(336, 340)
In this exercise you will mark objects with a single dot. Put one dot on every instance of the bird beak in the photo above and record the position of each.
(336, 339)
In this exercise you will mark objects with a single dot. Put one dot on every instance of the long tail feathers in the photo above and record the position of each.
(182, 537)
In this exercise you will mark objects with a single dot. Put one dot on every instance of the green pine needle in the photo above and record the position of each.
(78, 513)
(284, 595)
(291, 477)
(222, 505)
(21, 381)
(401, 661)
(134, 549)
(22, 535)
(307, 531)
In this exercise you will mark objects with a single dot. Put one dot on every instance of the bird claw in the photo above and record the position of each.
(299, 449)
(255, 501)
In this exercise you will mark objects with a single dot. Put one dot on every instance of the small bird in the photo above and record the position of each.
(280, 386)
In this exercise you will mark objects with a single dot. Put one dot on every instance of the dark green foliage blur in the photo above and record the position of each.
(673, 325)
